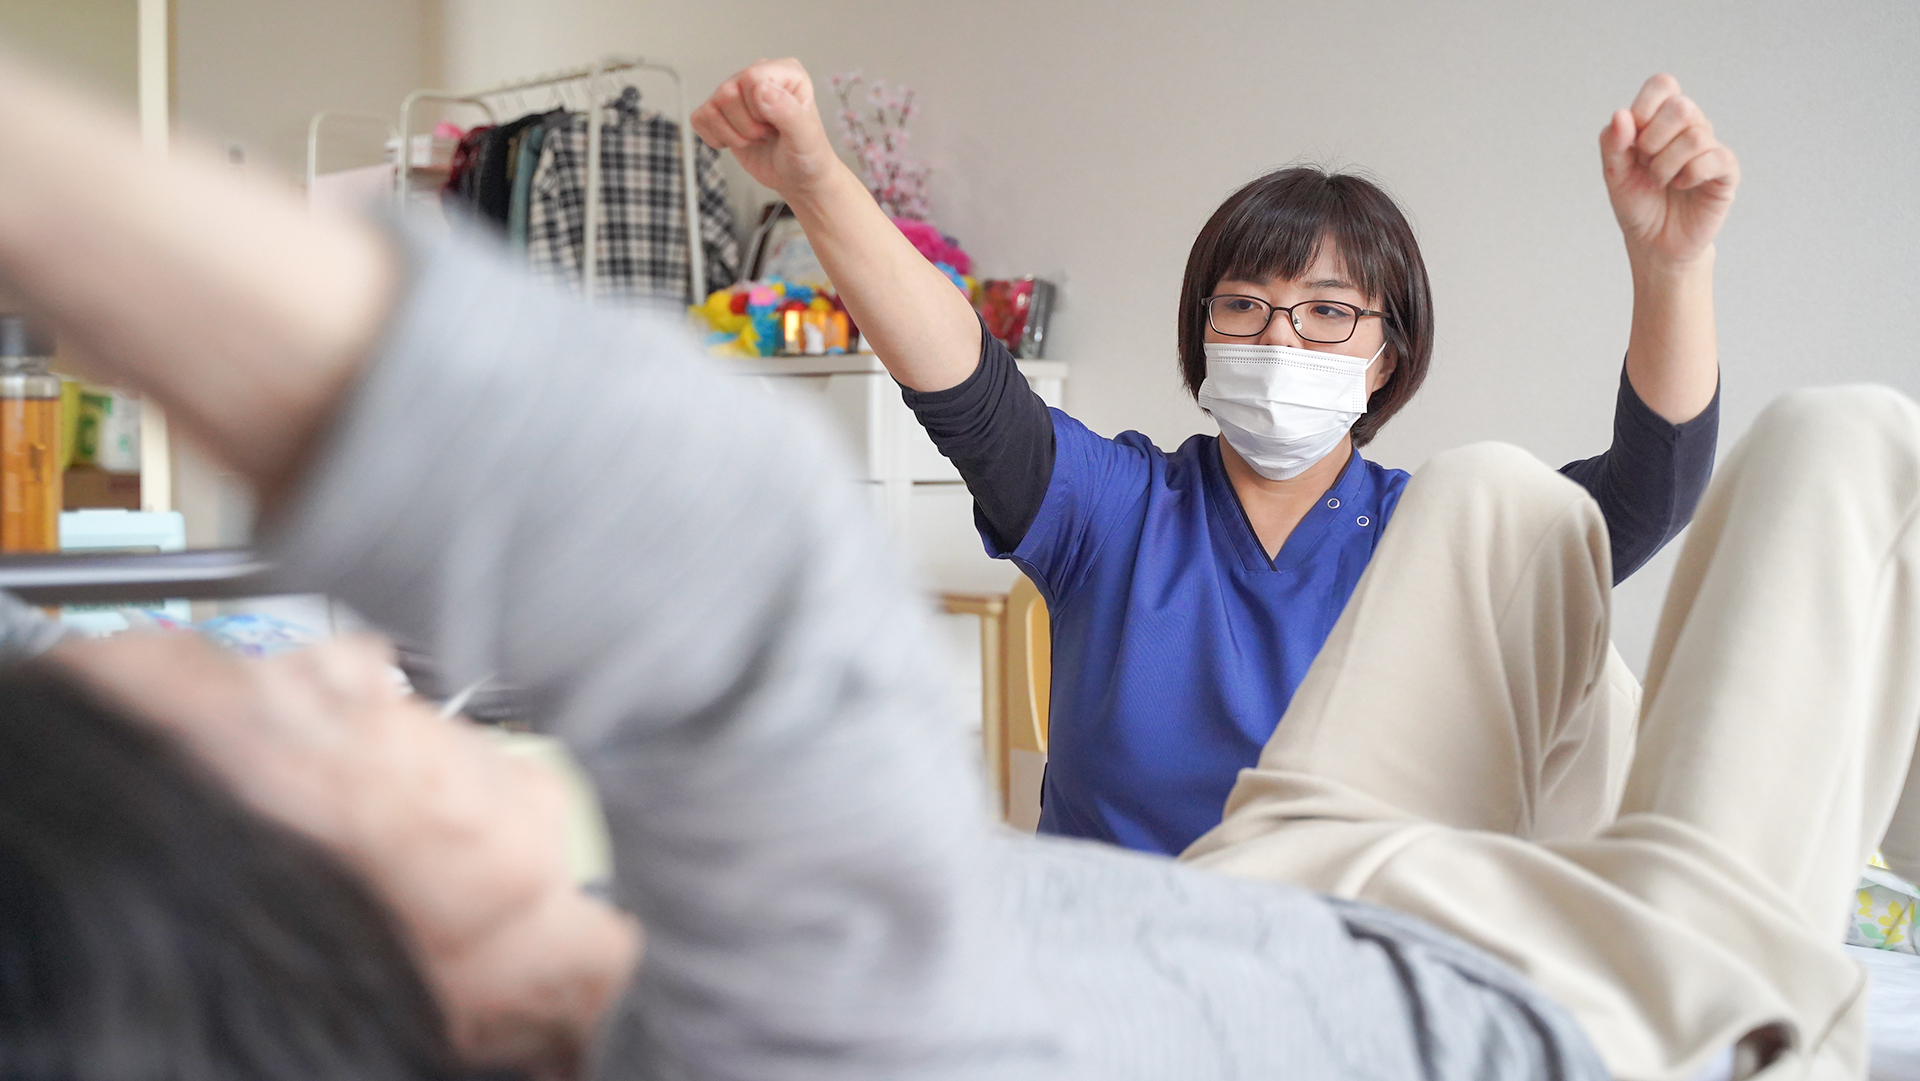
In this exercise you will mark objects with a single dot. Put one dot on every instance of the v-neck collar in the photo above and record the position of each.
(1337, 504)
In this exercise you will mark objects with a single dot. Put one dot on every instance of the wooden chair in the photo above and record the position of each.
(1028, 665)
(1016, 654)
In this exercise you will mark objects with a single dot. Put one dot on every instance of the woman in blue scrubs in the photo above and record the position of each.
(1189, 591)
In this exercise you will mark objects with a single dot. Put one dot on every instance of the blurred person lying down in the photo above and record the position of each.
(154, 926)
(741, 666)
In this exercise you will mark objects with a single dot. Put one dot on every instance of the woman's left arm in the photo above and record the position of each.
(1671, 182)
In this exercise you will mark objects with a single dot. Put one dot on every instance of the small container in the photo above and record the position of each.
(813, 329)
(29, 439)
(792, 343)
(116, 417)
(69, 420)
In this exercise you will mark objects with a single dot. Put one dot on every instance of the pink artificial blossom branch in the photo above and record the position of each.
(876, 134)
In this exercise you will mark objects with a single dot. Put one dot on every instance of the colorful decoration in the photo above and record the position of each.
(941, 250)
(774, 318)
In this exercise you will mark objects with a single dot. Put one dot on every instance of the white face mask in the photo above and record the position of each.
(1282, 408)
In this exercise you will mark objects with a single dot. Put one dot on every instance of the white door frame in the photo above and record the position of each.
(156, 122)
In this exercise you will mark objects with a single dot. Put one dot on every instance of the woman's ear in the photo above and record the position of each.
(1381, 372)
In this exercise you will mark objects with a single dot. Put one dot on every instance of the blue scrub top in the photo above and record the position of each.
(1176, 643)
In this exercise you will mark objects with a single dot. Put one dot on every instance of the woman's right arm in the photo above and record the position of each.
(920, 326)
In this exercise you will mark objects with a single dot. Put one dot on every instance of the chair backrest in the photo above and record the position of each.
(1029, 672)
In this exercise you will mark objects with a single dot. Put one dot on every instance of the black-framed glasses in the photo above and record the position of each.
(1322, 322)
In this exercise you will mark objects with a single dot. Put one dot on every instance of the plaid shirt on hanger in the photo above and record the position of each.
(643, 230)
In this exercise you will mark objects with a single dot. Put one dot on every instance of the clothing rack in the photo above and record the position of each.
(323, 119)
(594, 76)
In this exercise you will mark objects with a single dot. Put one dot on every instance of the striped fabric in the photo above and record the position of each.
(643, 252)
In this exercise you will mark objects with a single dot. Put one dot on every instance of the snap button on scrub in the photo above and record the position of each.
(1362, 520)
(1333, 504)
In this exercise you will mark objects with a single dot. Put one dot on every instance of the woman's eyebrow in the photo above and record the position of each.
(1333, 283)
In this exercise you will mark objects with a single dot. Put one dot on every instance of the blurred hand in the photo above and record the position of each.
(1670, 180)
(766, 115)
(463, 842)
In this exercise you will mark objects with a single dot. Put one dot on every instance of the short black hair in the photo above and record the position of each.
(1274, 226)
(152, 926)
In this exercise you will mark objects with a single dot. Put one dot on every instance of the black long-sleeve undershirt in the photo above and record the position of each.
(998, 434)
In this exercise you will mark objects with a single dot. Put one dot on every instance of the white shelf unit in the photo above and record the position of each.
(917, 491)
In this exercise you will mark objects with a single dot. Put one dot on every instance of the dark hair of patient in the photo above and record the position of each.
(152, 927)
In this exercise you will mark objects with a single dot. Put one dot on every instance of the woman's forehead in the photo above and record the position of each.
(1325, 270)
(1320, 281)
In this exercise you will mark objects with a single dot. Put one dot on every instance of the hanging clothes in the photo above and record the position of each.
(526, 159)
(456, 195)
(493, 185)
(642, 234)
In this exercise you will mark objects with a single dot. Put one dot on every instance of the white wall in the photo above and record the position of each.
(93, 42)
(1089, 141)
(253, 72)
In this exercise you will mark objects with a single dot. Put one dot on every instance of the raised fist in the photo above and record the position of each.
(1670, 180)
(767, 117)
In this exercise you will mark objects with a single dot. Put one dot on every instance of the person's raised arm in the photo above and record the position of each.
(1671, 182)
(249, 318)
(181, 280)
(919, 325)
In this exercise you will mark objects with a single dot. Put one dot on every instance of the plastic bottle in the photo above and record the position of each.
(29, 440)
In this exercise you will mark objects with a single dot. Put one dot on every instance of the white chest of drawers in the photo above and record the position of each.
(916, 490)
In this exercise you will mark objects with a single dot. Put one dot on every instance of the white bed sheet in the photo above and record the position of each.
(1893, 1013)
